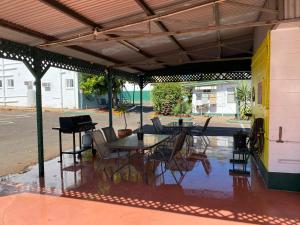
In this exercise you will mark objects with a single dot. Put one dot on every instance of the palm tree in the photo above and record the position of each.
(243, 95)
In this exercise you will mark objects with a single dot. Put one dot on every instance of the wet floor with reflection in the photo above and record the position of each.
(205, 189)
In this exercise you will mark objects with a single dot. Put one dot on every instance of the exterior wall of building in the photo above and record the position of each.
(59, 87)
(261, 77)
(63, 91)
(284, 99)
(15, 73)
(276, 66)
(218, 103)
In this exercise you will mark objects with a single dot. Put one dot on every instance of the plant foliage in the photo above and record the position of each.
(243, 95)
(97, 85)
(182, 108)
(165, 97)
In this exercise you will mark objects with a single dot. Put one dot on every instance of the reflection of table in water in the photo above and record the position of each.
(178, 127)
(131, 143)
(183, 125)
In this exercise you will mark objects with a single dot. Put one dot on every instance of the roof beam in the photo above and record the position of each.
(84, 20)
(217, 23)
(160, 24)
(70, 12)
(199, 60)
(126, 24)
(236, 49)
(36, 34)
(192, 50)
(179, 32)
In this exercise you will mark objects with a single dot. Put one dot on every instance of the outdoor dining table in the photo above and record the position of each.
(132, 144)
(183, 125)
(178, 127)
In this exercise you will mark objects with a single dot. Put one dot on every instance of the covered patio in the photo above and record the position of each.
(147, 42)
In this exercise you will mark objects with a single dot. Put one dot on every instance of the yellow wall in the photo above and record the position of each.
(261, 73)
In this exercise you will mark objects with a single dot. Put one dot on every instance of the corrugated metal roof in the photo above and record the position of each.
(38, 16)
(48, 20)
(115, 50)
(103, 11)
(291, 9)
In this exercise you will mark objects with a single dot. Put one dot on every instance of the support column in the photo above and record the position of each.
(141, 101)
(38, 73)
(109, 96)
(39, 124)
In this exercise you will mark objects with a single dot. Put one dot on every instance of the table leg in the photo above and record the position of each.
(60, 148)
(79, 136)
(74, 148)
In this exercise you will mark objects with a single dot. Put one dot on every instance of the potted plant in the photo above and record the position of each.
(180, 105)
(140, 132)
(123, 132)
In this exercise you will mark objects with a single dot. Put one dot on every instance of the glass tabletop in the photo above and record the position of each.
(132, 143)
(184, 124)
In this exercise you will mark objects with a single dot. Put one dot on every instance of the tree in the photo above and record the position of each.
(165, 96)
(97, 85)
(243, 95)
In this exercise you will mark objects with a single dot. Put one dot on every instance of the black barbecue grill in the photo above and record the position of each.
(73, 125)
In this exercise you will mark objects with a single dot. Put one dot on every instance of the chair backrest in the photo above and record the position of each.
(109, 134)
(100, 144)
(179, 142)
(158, 127)
(206, 124)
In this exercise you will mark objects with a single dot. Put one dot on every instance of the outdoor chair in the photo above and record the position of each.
(167, 155)
(105, 153)
(201, 132)
(159, 128)
(109, 134)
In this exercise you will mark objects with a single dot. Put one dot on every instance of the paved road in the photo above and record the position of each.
(18, 142)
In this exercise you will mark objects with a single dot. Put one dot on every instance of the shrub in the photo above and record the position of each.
(165, 97)
(182, 108)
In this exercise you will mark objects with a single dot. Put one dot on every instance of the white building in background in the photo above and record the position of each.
(59, 87)
(214, 98)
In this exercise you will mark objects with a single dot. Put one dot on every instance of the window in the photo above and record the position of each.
(10, 83)
(0, 83)
(69, 83)
(29, 84)
(205, 97)
(47, 86)
(198, 96)
(230, 95)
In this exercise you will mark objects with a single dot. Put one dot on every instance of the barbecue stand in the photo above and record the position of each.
(73, 125)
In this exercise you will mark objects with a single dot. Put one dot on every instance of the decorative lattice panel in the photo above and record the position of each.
(237, 75)
(39, 60)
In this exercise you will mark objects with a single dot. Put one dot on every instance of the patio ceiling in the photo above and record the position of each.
(137, 36)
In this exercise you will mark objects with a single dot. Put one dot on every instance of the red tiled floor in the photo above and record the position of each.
(83, 194)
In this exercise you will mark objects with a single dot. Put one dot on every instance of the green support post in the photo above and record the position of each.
(39, 124)
(109, 96)
(141, 102)
(38, 73)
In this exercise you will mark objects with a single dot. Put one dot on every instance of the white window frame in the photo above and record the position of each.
(47, 86)
(231, 91)
(68, 82)
(29, 85)
(9, 82)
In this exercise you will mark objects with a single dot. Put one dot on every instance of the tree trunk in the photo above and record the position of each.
(124, 114)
